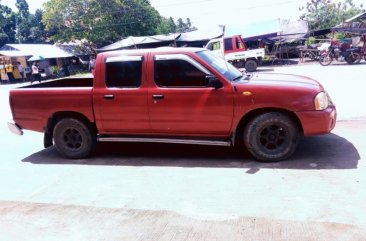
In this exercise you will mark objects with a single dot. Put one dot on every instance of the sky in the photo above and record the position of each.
(210, 13)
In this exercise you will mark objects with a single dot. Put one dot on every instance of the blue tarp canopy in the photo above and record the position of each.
(259, 30)
(270, 29)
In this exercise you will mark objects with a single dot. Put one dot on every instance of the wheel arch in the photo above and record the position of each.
(256, 112)
(56, 117)
(252, 58)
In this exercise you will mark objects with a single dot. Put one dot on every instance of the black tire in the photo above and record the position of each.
(73, 138)
(47, 140)
(353, 58)
(325, 59)
(251, 65)
(271, 137)
(238, 64)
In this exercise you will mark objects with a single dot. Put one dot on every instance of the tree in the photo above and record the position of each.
(183, 27)
(29, 26)
(99, 21)
(38, 33)
(167, 25)
(31, 29)
(23, 10)
(7, 25)
(326, 13)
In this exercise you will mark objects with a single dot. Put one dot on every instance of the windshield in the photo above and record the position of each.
(225, 68)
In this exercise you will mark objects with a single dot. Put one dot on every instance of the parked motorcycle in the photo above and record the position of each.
(340, 53)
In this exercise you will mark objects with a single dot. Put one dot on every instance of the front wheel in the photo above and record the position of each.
(251, 65)
(271, 137)
(325, 59)
(74, 139)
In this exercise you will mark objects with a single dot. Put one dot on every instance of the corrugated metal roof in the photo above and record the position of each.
(202, 35)
(13, 53)
(47, 51)
(198, 35)
(134, 41)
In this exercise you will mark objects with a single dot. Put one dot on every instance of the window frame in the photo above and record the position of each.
(182, 57)
(228, 42)
(123, 59)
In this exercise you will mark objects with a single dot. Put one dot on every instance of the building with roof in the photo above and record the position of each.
(47, 55)
(355, 25)
(197, 38)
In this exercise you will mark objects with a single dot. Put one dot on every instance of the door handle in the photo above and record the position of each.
(108, 97)
(158, 97)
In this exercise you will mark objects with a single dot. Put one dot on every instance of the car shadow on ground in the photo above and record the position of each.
(319, 152)
(262, 69)
(337, 63)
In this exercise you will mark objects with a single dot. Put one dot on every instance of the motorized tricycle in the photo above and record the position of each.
(340, 52)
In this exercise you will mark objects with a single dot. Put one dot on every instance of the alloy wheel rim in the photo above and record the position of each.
(273, 138)
(72, 139)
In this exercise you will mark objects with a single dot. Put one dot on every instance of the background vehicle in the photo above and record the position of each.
(174, 95)
(340, 52)
(234, 50)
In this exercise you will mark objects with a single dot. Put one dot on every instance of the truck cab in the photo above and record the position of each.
(234, 50)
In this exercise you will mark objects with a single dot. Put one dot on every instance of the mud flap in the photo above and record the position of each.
(47, 139)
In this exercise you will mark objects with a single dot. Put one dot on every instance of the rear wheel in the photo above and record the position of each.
(353, 58)
(251, 65)
(73, 138)
(271, 137)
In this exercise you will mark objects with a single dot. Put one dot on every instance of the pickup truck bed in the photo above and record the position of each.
(63, 83)
(36, 104)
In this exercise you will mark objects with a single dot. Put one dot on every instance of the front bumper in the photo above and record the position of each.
(13, 127)
(318, 122)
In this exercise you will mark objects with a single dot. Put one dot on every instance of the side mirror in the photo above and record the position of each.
(214, 82)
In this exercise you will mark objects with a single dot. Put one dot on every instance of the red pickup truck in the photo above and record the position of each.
(174, 95)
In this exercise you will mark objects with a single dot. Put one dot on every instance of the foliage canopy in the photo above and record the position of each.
(103, 21)
(323, 14)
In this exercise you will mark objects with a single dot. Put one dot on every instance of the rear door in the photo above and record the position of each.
(121, 100)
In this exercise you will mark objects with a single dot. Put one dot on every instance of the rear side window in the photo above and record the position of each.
(214, 46)
(125, 74)
(228, 44)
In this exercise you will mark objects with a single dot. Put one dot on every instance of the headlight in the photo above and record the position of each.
(321, 101)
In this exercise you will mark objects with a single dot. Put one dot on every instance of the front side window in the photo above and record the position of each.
(123, 74)
(216, 46)
(178, 73)
(225, 68)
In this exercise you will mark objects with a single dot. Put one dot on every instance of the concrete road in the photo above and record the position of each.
(173, 192)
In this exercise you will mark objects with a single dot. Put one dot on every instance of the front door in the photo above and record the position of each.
(183, 103)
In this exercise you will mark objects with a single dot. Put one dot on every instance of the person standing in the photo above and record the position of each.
(35, 73)
(92, 64)
(9, 68)
(21, 70)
